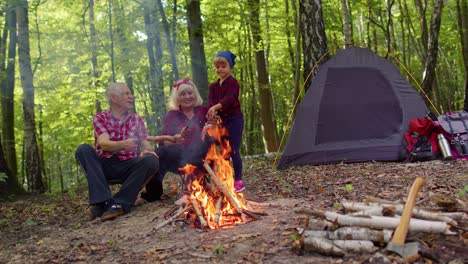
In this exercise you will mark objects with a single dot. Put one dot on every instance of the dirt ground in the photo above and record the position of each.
(54, 228)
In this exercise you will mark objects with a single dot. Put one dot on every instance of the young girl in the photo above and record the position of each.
(223, 100)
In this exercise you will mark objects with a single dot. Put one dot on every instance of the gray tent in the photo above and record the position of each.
(356, 109)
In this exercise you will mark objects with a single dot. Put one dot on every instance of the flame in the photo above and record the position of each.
(209, 198)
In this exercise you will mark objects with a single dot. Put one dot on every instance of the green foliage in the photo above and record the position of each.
(462, 192)
(295, 237)
(3, 177)
(67, 91)
(348, 187)
(218, 249)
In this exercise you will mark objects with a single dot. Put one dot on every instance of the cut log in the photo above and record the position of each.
(318, 224)
(322, 246)
(196, 207)
(352, 233)
(356, 246)
(419, 213)
(218, 209)
(380, 222)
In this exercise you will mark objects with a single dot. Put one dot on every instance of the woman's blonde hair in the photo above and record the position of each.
(179, 87)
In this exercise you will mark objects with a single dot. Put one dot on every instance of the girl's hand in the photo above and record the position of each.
(205, 130)
(211, 112)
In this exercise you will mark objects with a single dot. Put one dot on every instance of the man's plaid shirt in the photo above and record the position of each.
(131, 126)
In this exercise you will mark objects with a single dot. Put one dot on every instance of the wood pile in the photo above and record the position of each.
(367, 227)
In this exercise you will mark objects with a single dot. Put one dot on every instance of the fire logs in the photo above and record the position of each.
(366, 227)
(209, 186)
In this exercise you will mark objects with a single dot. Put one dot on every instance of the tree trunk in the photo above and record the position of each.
(432, 48)
(462, 11)
(93, 41)
(266, 99)
(111, 37)
(7, 100)
(298, 53)
(421, 8)
(314, 40)
(153, 46)
(33, 165)
(347, 24)
(197, 48)
(170, 44)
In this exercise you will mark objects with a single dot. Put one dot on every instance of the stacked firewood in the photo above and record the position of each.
(366, 227)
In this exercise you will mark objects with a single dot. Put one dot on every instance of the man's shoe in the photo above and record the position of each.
(112, 212)
(239, 185)
(95, 211)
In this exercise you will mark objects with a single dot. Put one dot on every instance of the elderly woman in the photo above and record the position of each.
(180, 139)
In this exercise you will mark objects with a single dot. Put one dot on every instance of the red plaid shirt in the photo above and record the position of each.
(131, 126)
(175, 120)
(227, 94)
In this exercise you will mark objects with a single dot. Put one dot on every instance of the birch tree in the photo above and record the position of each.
(314, 40)
(31, 152)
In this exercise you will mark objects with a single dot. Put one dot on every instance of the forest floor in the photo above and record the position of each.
(55, 228)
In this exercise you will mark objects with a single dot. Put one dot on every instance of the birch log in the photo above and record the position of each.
(380, 222)
(374, 208)
(352, 233)
(322, 246)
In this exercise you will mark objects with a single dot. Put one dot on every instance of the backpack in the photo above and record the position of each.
(420, 141)
(454, 126)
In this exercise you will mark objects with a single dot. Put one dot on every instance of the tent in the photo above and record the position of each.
(357, 109)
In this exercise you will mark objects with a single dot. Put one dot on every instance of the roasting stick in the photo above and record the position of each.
(223, 189)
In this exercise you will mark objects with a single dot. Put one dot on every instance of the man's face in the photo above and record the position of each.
(124, 99)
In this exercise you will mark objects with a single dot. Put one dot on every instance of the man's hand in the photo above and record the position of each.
(148, 152)
(129, 144)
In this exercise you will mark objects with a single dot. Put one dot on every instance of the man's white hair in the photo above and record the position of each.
(114, 88)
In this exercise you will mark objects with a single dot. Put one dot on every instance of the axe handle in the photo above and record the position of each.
(399, 236)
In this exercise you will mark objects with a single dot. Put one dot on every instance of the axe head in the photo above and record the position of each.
(406, 250)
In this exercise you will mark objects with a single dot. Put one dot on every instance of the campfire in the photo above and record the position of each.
(212, 200)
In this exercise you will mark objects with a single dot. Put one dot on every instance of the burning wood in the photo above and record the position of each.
(213, 202)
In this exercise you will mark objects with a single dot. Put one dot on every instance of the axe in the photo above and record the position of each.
(409, 251)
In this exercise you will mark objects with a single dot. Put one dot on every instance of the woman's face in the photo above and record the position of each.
(187, 98)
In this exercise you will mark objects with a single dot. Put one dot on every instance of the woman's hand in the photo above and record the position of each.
(178, 139)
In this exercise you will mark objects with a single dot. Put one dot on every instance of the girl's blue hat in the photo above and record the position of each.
(229, 56)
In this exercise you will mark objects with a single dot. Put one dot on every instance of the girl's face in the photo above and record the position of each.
(187, 98)
(223, 70)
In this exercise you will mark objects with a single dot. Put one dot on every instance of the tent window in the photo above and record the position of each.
(357, 103)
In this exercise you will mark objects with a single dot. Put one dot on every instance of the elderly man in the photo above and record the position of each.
(118, 135)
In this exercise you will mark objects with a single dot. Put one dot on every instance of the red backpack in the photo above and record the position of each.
(420, 143)
(454, 126)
